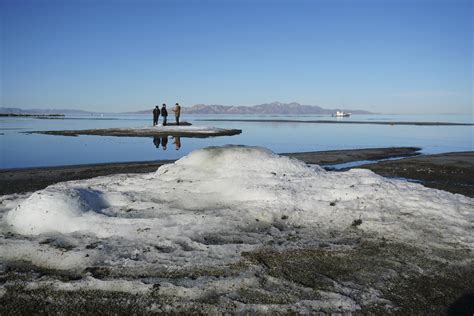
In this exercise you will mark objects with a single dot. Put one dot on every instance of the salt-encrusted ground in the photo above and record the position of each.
(238, 229)
(183, 130)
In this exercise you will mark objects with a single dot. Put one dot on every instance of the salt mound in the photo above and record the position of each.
(238, 160)
(238, 197)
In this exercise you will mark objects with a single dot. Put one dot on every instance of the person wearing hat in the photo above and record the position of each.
(177, 112)
(156, 114)
(164, 113)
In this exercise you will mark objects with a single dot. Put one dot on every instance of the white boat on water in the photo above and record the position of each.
(341, 114)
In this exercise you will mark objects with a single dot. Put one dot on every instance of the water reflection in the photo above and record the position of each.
(156, 141)
(163, 141)
(16, 148)
(177, 142)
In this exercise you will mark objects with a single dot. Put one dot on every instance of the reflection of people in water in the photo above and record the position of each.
(164, 142)
(177, 142)
(156, 141)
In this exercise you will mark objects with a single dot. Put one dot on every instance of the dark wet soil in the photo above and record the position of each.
(343, 156)
(453, 172)
(377, 275)
(414, 283)
(32, 179)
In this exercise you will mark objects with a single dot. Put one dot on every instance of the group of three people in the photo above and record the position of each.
(164, 114)
(164, 142)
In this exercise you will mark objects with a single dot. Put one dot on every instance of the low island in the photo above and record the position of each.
(185, 129)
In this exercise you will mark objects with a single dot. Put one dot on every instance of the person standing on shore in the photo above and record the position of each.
(177, 112)
(156, 114)
(164, 113)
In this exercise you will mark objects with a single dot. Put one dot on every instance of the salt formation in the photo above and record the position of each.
(208, 207)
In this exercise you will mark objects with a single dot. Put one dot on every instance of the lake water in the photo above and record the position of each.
(19, 149)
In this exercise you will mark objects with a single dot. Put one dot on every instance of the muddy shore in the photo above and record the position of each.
(32, 179)
(331, 157)
(453, 172)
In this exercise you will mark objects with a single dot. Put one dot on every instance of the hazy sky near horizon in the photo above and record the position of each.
(388, 56)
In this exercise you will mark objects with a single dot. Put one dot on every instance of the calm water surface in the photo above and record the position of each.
(19, 149)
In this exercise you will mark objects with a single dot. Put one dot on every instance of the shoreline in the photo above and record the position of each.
(21, 180)
(451, 172)
(32, 115)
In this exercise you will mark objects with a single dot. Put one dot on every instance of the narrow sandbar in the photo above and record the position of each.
(343, 156)
(335, 121)
(183, 130)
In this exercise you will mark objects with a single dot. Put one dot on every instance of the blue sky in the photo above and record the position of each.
(389, 56)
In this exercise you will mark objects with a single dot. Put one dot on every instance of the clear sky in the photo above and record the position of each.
(389, 56)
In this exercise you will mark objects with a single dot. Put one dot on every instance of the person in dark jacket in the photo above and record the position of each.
(156, 114)
(164, 113)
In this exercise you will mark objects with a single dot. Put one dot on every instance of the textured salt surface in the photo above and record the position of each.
(147, 131)
(229, 192)
(207, 208)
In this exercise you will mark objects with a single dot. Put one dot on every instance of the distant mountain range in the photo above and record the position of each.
(267, 108)
(43, 111)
